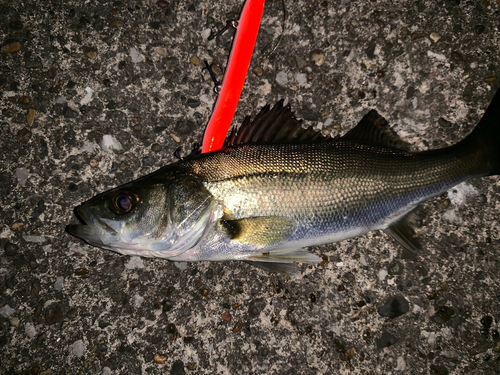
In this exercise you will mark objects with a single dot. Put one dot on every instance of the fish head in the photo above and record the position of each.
(148, 217)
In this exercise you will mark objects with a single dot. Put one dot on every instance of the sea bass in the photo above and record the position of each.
(276, 188)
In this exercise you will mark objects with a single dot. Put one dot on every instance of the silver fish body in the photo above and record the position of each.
(263, 203)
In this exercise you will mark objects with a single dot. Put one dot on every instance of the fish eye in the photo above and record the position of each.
(123, 202)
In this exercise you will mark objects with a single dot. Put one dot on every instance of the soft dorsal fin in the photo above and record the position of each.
(374, 130)
(276, 125)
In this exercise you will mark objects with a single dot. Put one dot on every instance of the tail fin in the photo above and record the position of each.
(486, 136)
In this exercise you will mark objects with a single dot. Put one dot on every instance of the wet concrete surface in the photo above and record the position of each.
(73, 73)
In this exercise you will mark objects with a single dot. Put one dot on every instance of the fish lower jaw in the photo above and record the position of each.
(139, 252)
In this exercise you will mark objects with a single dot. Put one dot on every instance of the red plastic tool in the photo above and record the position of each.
(234, 78)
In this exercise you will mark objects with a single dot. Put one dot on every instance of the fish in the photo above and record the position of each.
(277, 188)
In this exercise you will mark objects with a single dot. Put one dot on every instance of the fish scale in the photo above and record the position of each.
(342, 188)
(264, 203)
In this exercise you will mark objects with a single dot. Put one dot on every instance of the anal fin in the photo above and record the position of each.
(403, 231)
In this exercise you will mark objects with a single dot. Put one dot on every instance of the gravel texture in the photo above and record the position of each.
(96, 93)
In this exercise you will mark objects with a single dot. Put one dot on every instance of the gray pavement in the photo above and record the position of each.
(73, 72)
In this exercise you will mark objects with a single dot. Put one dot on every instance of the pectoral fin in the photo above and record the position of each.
(289, 269)
(262, 230)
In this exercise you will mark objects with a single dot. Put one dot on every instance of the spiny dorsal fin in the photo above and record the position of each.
(374, 130)
(276, 125)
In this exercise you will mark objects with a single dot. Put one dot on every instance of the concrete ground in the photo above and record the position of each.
(72, 72)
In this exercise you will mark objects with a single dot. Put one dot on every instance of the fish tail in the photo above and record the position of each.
(485, 138)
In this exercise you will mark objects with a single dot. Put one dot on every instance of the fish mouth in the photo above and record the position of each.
(92, 230)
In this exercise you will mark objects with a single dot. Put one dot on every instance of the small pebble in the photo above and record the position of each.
(173, 61)
(416, 36)
(17, 226)
(81, 271)
(30, 117)
(394, 307)
(311, 117)
(162, 3)
(11, 47)
(78, 348)
(94, 163)
(90, 52)
(435, 37)
(370, 51)
(439, 369)
(258, 71)
(24, 135)
(36, 287)
(111, 105)
(193, 103)
(24, 99)
(148, 161)
(161, 51)
(14, 320)
(136, 56)
(457, 56)
(116, 23)
(72, 313)
(226, 317)
(318, 57)
(6, 311)
(11, 249)
(160, 358)
(34, 239)
(69, 112)
(491, 79)
(386, 340)
(443, 314)
(54, 314)
(396, 269)
(175, 138)
(110, 142)
(282, 78)
(195, 60)
(30, 330)
(496, 348)
(204, 292)
(178, 368)
(59, 284)
(479, 29)
(238, 326)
